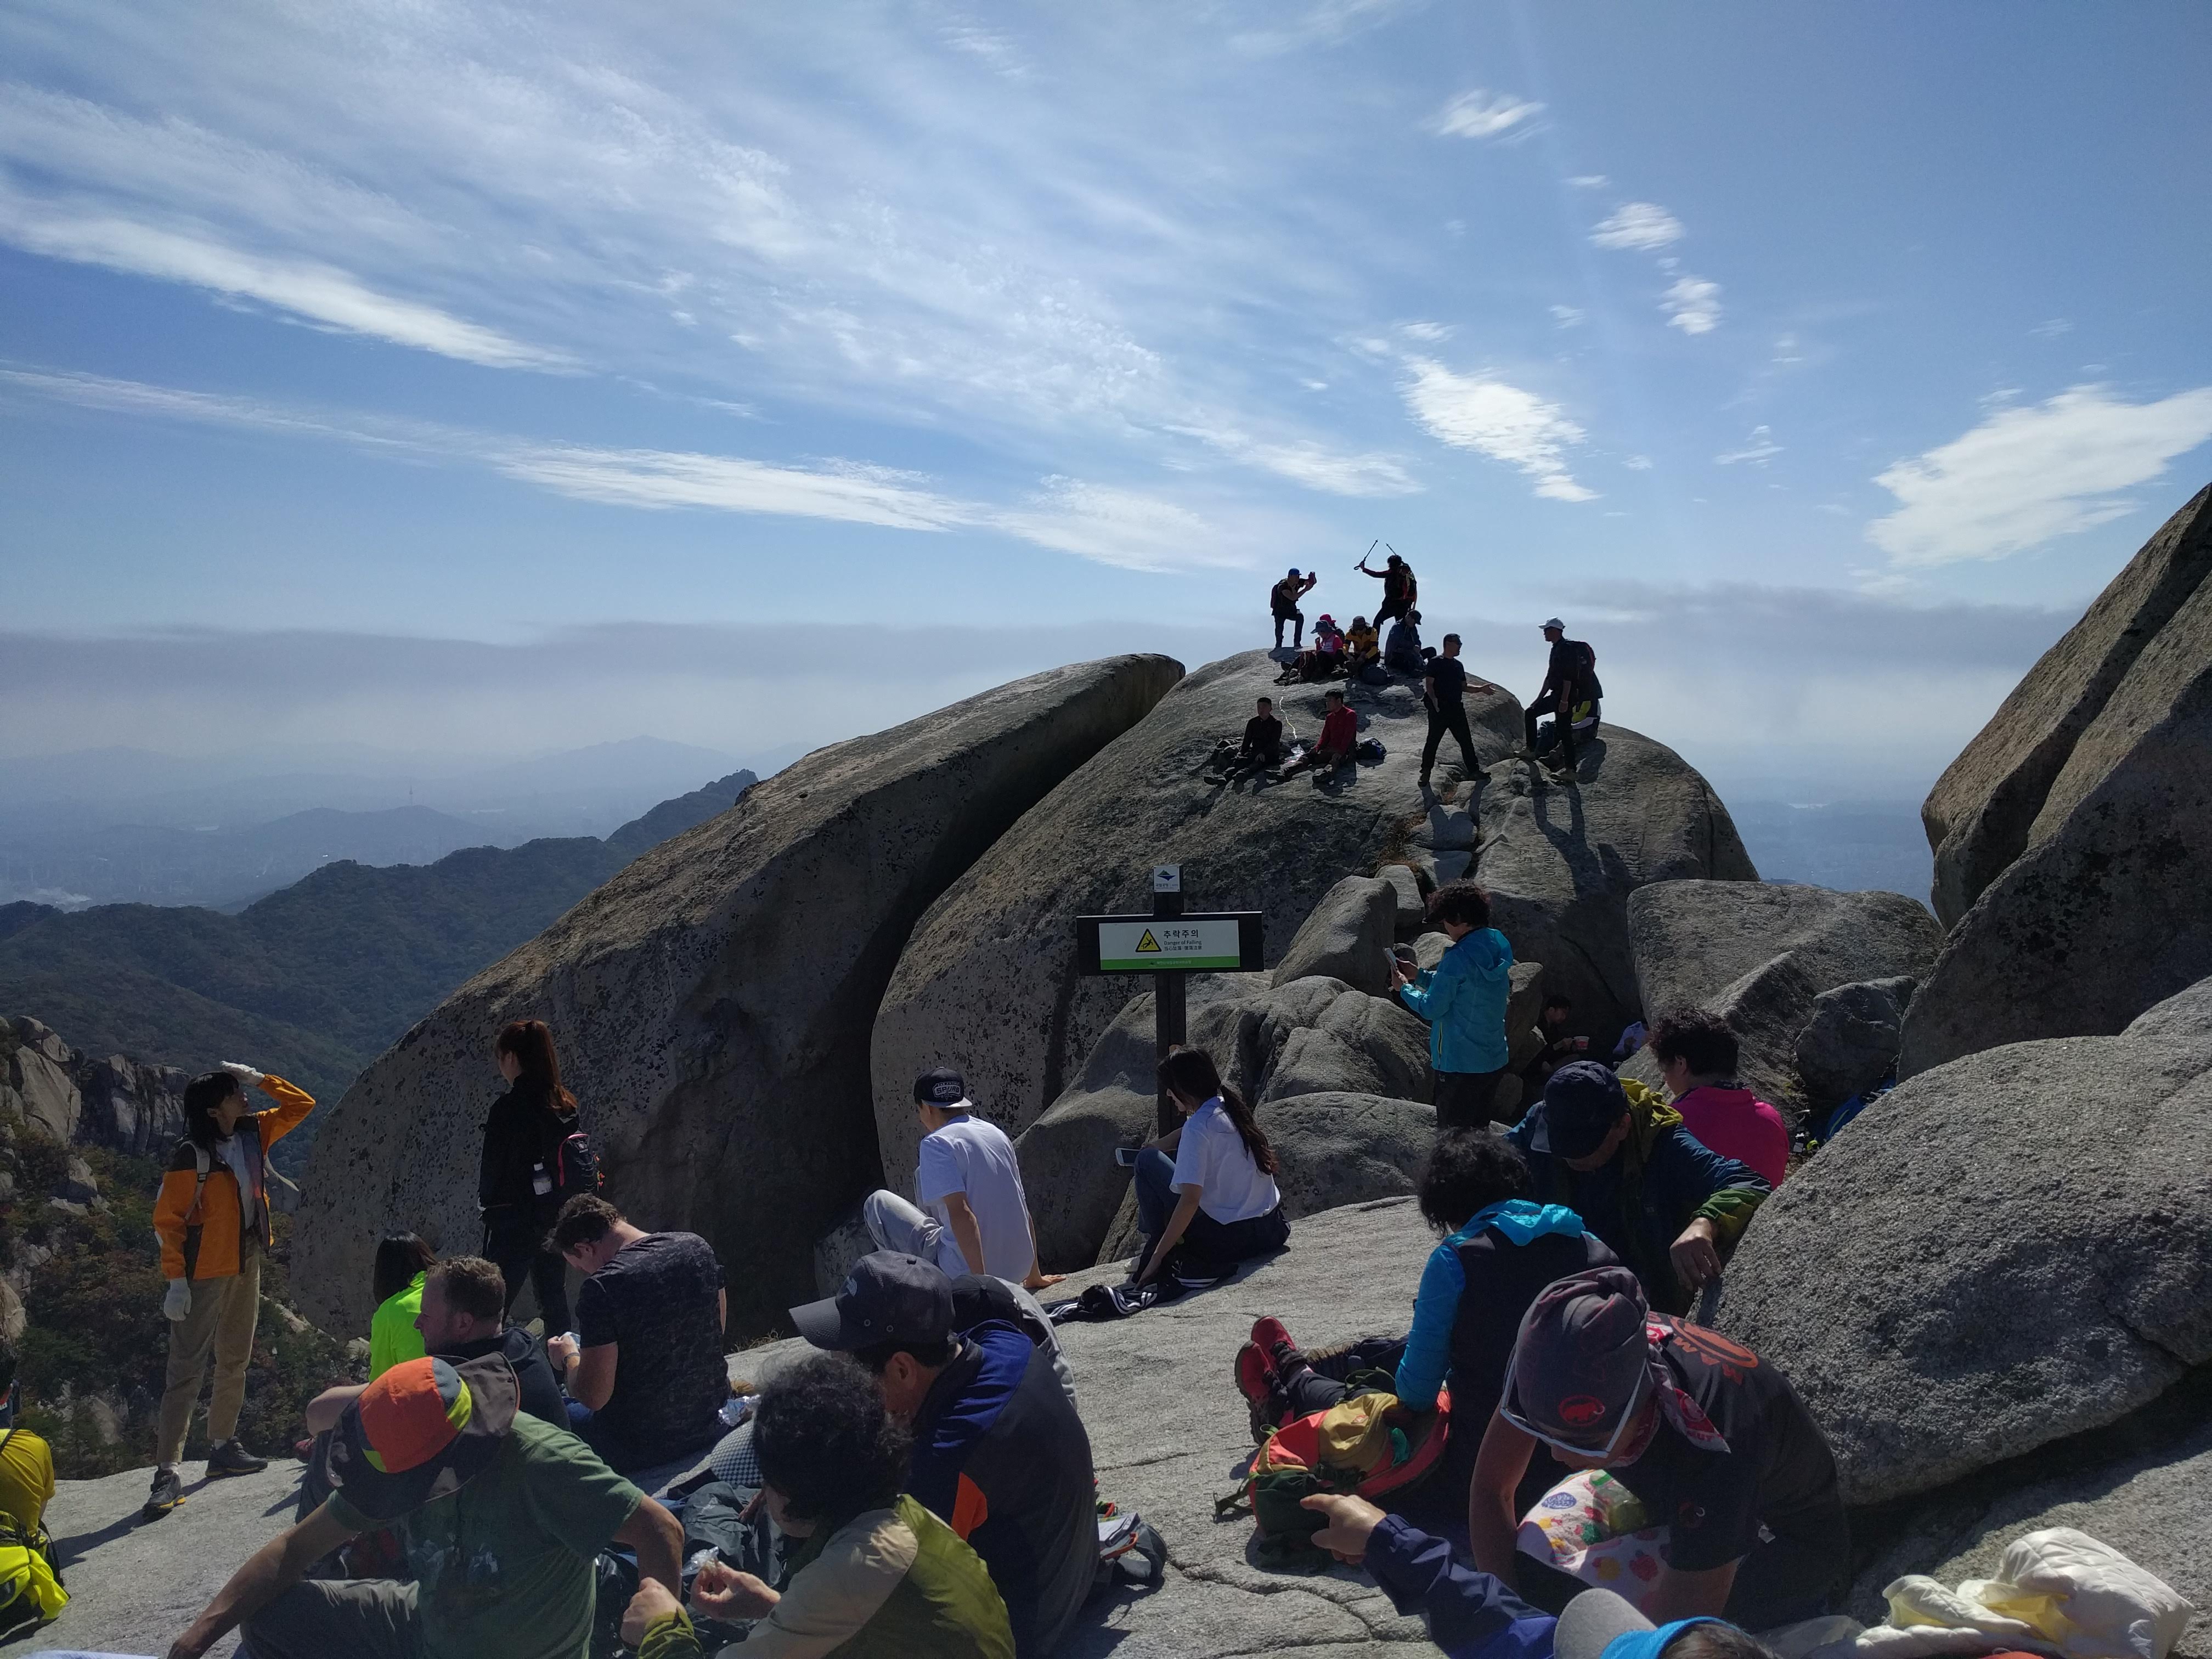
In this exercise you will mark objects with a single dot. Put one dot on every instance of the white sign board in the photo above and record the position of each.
(1168, 943)
(1167, 879)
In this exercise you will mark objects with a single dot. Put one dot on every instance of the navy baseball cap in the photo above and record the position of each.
(1581, 1104)
(887, 1297)
(941, 1086)
(1581, 1362)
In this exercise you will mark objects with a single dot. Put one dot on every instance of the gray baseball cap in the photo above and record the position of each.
(887, 1297)
(1582, 1363)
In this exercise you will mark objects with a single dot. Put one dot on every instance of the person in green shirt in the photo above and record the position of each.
(401, 1259)
(501, 1518)
(876, 1575)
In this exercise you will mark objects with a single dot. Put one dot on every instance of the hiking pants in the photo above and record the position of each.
(1297, 621)
(1449, 717)
(1464, 1098)
(221, 1320)
(1784, 1580)
(338, 1619)
(1560, 705)
(1391, 610)
(518, 1247)
(1320, 1383)
(1221, 1243)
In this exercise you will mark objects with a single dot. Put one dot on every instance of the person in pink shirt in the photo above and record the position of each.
(1698, 1055)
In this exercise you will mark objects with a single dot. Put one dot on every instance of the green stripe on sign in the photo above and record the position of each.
(1165, 965)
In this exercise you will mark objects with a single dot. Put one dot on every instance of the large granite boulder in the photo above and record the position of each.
(1850, 1039)
(2106, 909)
(1561, 861)
(1760, 955)
(1167, 1433)
(35, 1083)
(1314, 1037)
(1348, 937)
(1982, 812)
(1336, 1148)
(127, 1106)
(1997, 1255)
(712, 1001)
(987, 983)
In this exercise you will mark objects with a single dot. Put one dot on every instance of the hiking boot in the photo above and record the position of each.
(168, 1493)
(1255, 1374)
(231, 1458)
(1272, 1339)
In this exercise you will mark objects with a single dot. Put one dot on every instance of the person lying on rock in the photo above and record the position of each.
(999, 1455)
(1498, 1249)
(501, 1520)
(1712, 1440)
(1464, 999)
(974, 1217)
(213, 1220)
(644, 1372)
(1697, 1056)
(1671, 1208)
(1472, 1615)
(1339, 736)
(1207, 1187)
(875, 1572)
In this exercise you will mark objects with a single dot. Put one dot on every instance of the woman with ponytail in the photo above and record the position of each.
(1208, 1186)
(517, 1183)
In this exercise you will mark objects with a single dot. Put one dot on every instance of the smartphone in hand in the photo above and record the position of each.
(1127, 1155)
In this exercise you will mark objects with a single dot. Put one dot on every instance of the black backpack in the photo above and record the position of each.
(575, 1168)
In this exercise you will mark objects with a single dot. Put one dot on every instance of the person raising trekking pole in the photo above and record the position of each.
(1400, 592)
(1282, 599)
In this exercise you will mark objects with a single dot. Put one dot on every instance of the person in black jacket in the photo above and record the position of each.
(1570, 679)
(517, 1177)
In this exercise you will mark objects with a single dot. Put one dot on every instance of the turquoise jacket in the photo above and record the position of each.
(1464, 999)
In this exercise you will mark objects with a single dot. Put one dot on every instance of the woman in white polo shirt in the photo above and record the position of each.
(1208, 1186)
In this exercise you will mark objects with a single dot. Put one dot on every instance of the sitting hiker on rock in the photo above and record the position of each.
(1464, 999)
(1402, 646)
(1711, 1440)
(1669, 1207)
(875, 1573)
(1262, 748)
(1324, 659)
(500, 1519)
(1361, 645)
(1498, 1249)
(1207, 1187)
(999, 1453)
(402, 1259)
(1339, 736)
(969, 1184)
(1555, 1024)
(645, 1373)
(1698, 1055)
(212, 1217)
(1470, 1614)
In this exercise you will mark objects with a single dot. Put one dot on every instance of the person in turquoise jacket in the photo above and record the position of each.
(1464, 999)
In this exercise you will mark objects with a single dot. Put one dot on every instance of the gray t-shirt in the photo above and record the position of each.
(973, 1157)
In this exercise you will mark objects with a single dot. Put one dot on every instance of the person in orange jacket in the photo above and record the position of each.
(212, 1217)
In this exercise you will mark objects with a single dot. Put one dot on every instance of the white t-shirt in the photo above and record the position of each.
(1212, 1157)
(971, 1156)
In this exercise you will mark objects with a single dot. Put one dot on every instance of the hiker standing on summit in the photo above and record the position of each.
(212, 1217)
(1282, 599)
(518, 1173)
(1570, 681)
(1399, 591)
(1444, 688)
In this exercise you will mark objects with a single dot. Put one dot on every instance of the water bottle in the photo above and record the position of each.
(541, 1182)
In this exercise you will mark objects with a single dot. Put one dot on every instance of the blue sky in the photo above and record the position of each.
(1819, 362)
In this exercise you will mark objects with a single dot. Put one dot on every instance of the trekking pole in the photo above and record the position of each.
(1368, 554)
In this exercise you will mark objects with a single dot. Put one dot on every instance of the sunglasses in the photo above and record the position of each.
(1627, 1421)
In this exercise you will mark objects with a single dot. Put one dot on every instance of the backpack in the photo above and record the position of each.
(575, 1169)
(1354, 1446)
(31, 1591)
(1589, 672)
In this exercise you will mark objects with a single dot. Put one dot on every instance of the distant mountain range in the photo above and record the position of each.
(316, 980)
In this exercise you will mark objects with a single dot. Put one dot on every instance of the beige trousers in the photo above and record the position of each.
(221, 1318)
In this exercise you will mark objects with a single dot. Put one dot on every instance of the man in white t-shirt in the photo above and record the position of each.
(974, 1217)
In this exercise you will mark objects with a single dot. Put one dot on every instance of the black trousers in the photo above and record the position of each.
(1463, 1098)
(1297, 621)
(516, 1245)
(1561, 706)
(1391, 610)
(1450, 717)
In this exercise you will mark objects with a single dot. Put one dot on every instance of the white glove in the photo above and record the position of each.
(243, 1072)
(178, 1302)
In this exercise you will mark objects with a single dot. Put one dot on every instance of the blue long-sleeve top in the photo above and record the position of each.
(1426, 1362)
(1470, 1614)
(1463, 998)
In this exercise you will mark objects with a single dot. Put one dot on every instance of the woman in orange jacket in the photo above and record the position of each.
(212, 1217)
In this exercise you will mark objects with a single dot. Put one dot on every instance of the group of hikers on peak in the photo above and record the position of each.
(924, 1486)
(1571, 692)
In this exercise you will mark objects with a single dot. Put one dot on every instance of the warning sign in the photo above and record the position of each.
(1147, 943)
(1166, 945)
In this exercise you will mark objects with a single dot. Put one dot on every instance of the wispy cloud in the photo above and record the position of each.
(1638, 463)
(1758, 450)
(1483, 114)
(1589, 181)
(1483, 414)
(2052, 328)
(1638, 225)
(1692, 305)
(1431, 332)
(1316, 466)
(2029, 474)
(1124, 527)
(994, 48)
(1567, 316)
(1324, 23)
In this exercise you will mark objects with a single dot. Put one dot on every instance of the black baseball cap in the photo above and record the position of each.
(941, 1086)
(887, 1297)
(1581, 1362)
(1581, 1104)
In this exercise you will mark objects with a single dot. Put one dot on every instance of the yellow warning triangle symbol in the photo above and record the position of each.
(1148, 942)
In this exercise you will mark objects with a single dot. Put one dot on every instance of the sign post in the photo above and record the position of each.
(1169, 944)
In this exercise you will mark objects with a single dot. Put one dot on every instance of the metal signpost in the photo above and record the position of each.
(1167, 945)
